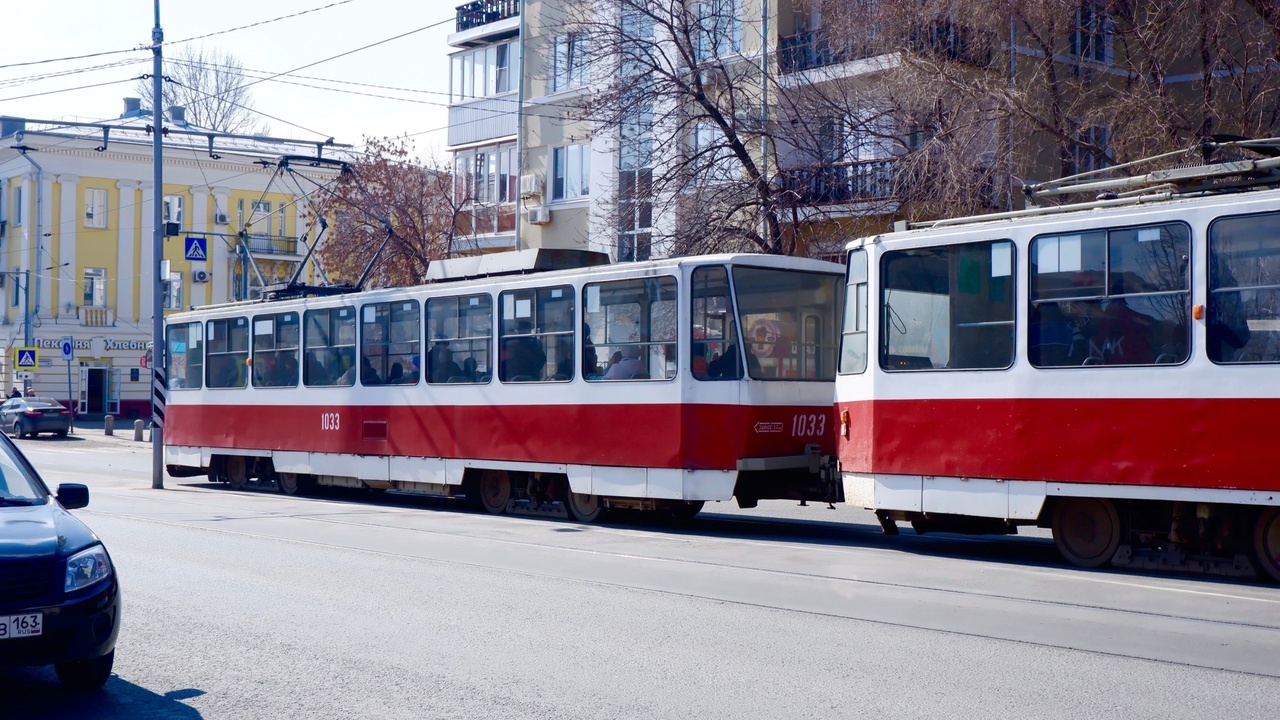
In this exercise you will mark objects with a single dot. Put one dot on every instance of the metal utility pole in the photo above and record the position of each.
(157, 250)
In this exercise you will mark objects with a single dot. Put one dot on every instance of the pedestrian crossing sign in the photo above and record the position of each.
(28, 358)
(196, 249)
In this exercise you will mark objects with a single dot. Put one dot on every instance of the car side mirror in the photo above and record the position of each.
(73, 495)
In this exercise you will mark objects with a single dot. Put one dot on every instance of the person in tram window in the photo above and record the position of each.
(443, 367)
(590, 362)
(288, 368)
(368, 376)
(414, 371)
(396, 376)
(628, 365)
(699, 365)
(470, 370)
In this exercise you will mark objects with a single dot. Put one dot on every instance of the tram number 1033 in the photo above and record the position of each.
(813, 425)
(330, 421)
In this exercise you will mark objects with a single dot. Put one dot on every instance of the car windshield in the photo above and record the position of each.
(16, 482)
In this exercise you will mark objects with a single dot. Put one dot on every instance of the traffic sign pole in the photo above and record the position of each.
(68, 354)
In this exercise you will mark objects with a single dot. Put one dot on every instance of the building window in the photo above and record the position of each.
(95, 287)
(571, 170)
(95, 208)
(260, 218)
(17, 206)
(719, 30)
(1091, 33)
(173, 209)
(173, 296)
(484, 72)
(1091, 150)
(570, 61)
(712, 157)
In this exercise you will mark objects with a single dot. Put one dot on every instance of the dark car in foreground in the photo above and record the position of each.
(24, 416)
(59, 597)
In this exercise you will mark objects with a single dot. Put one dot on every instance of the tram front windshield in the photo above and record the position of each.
(788, 322)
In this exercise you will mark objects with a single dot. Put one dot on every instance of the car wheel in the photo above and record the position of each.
(85, 675)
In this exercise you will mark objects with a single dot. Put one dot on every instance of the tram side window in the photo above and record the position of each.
(461, 332)
(186, 356)
(1243, 324)
(853, 343)
(948, 308)
(536, 335)
(630, 331)
(714, 336)
(228, 353)
(275, 350)
(1118, 296)
(329, 347)
(788, 321)
(389, 338)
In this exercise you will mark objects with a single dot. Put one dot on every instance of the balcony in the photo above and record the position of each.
(92, 316)
(482, 12)
(848, 182)
(808, 50)
(268, 245)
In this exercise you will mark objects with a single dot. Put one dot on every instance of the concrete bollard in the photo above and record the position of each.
(109, 425)
(137, 431)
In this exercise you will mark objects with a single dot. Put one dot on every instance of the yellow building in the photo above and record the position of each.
(76, 239)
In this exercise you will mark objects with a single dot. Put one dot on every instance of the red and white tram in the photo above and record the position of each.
(652, 385)
(1110, 370)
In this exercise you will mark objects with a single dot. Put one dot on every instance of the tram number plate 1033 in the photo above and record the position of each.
(814, 425)
(19, 626)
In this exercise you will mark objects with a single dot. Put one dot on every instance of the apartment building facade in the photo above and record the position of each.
(811, 121)
(76, 240)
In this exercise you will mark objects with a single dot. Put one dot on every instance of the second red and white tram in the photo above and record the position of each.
(653, 385)
(1110, 371)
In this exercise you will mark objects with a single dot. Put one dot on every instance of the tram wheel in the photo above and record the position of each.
(1266, 542)
(287, 483)
(583, 508)
(495, 491)
(1086, 530)
(236, 471)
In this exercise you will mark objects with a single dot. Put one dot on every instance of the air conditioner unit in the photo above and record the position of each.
(539, 215)
(220, 218)
(530, 185)
(199, 276)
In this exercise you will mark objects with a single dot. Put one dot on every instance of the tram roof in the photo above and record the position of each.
(617, 270)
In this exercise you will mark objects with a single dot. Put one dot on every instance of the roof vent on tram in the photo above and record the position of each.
(516, 262)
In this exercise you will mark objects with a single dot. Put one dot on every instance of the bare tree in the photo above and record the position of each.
(390, 195)
(893, 110)
(210, 84)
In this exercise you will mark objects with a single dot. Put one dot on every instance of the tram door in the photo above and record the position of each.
(99, 391)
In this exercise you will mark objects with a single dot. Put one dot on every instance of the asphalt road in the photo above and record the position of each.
(254, 605)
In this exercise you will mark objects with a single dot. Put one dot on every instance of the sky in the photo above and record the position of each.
(416, 65)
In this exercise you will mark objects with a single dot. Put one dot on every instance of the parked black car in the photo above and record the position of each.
(59, 596)
(25, 416)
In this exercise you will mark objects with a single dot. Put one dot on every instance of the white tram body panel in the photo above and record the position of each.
(662, 414)
(1124, 356)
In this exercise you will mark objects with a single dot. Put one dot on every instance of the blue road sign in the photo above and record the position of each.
(27, 358)
(196, 249)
